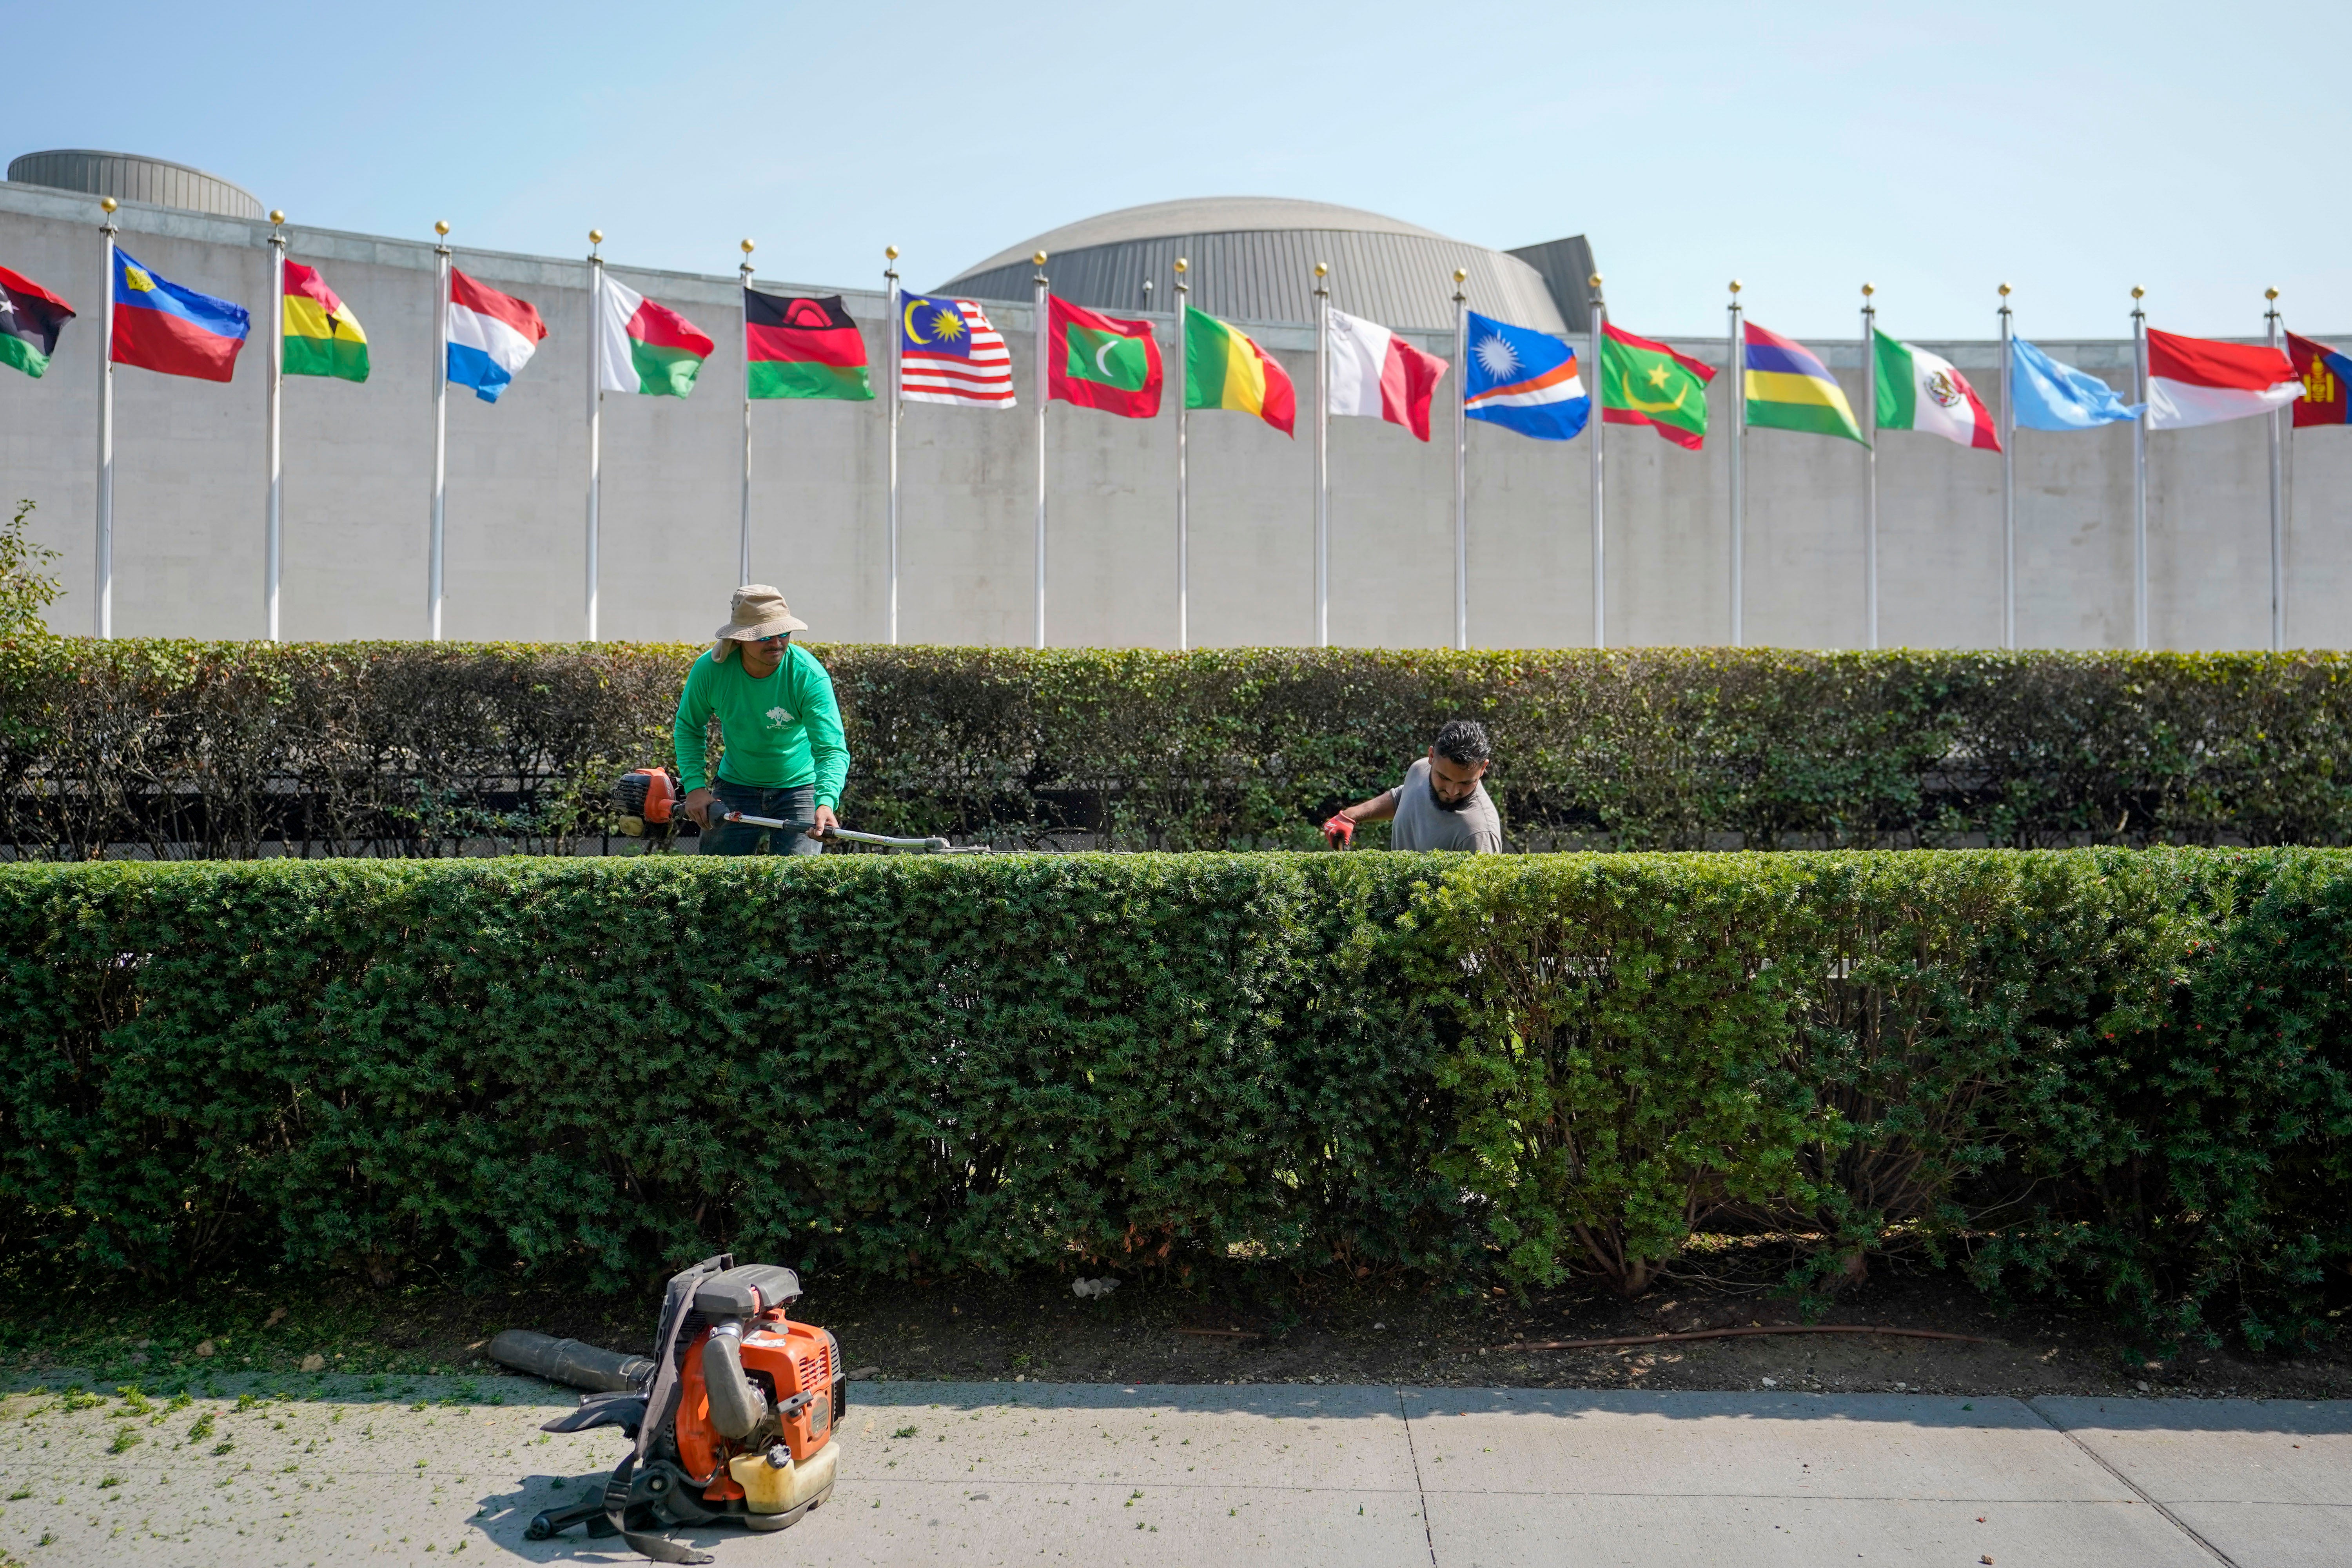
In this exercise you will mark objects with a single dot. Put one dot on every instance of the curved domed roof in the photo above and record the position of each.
(1252, 258)
(1200, 214)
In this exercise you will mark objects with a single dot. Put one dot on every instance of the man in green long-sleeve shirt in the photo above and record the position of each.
(779, 723)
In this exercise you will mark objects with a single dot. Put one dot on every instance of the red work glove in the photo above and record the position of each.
(1339, 832)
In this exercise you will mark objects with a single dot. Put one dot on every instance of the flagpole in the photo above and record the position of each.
(596, 409)
(273, 535)
(1042, 286)
(2139, 471)
(1870, 464)
(440, 432)
(102, 601)
(2007, 484)
(898, 337)
(1461, 463)
(1322, 456)
(1735, 362)
(1596, 314)
(1183, 399)
(743, 529)
(2278, 498)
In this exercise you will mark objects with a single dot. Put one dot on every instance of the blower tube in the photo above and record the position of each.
(570, 1362)
(736, 1408)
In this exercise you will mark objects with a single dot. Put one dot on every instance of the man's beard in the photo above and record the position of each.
(1455, 806)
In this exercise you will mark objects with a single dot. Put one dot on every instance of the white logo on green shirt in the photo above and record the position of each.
(778, 718)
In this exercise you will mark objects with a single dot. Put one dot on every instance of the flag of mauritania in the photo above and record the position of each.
(803, 348)
(322, 336)
(30, 320)
(1789, 388)
(1101, 361)
(1645, 383)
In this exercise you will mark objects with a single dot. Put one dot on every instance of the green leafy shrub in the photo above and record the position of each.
(407, 749)
(2125, 1072)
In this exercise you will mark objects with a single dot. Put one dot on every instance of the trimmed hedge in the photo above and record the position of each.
(421, 749)
(2126, 1073)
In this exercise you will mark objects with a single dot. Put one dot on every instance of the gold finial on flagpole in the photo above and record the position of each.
(889, 253)
(2137, 290)
(2269, 293)
(747, 247)
(1181, 264)
(441, 228)
(596, 237)
(2004, 290)
(1321, 268)
(1868, 289)
(1594, 281)
(106, 204)
(1460, 275)
(1039, 259)
(278, 216)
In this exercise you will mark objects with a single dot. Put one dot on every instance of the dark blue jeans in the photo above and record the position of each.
(784, 804)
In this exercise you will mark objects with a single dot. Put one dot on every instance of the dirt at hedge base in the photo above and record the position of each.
(1407, 1331)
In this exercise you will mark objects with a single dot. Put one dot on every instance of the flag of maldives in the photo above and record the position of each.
(30, 320)
(160, 326)
(1101, 361)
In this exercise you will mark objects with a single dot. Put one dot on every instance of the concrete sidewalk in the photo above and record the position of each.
(970, 1474)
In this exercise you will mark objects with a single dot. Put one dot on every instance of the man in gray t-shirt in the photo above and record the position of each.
(1442, 804)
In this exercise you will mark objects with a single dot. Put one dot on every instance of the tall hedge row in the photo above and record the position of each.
(232, 750)
(2126, 1074)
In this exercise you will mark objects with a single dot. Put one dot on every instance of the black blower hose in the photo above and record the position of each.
(570, 1362)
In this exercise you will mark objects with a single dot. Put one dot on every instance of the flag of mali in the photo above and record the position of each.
(322, 336)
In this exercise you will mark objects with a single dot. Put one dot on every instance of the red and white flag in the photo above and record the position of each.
(1379, 375)
(2196, 381)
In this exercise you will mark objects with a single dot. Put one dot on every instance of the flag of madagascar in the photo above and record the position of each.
(30, 320)
(803, 348)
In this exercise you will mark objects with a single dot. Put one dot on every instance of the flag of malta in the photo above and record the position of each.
(2196, 381)
(1379, 375)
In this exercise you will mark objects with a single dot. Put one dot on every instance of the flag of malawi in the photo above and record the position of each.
(30, 320)
(803, 348)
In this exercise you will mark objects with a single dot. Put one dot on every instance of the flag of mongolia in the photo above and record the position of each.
(160, 326)
(2325, 373)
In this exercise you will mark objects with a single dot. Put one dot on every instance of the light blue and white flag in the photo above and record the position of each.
(2048, 395)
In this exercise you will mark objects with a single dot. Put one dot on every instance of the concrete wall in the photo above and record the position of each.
(189, 496)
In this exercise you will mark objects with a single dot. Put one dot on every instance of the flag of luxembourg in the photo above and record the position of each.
(491, 336)
(1524, 380)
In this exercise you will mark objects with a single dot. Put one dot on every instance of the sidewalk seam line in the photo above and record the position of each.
(2137, 1490)
(1428, 1534)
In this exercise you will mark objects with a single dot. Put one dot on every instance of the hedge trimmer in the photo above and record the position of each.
(648, 799)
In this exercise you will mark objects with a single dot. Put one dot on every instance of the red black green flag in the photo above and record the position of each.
(30, 320)
(803, 348)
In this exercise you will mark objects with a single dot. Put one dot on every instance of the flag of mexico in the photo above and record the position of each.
(1918, 390)
(649, 348)
(1101, 361)
(2196, 381)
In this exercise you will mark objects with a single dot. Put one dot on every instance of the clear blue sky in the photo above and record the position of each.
(2071, 149)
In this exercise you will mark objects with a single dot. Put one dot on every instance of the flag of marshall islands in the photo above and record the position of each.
(30, 320)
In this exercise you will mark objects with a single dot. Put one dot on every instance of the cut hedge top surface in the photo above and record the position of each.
(421, 749)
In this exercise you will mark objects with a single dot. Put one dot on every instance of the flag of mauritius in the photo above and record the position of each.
(1100, 362)
(30, 320)
(803, 348)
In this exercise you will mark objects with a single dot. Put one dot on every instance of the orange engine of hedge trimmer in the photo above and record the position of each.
(793, 1364)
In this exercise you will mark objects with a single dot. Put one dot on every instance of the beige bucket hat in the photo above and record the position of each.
(758, 611)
